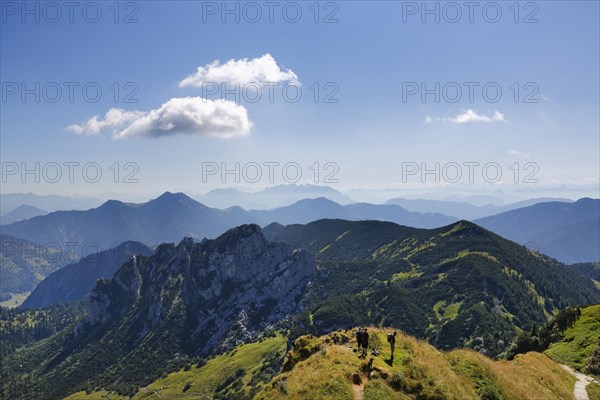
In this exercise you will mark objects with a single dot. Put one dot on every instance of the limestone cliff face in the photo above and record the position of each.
(210, 295)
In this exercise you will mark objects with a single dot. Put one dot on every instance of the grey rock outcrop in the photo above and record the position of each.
(211, 295)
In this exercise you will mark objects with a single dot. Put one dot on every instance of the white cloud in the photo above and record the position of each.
(258, 70)
(189, 115)
(194, 115)
(518, 153)
(472, 116)
(114, 117)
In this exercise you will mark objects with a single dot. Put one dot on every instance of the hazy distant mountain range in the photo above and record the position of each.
(463, 209)
(308, 210)
(272, 197)
(10, 201)
(173, 216)
(167, 218)
(565, 230)
(569, 232)
(20, 213)
(497, 197)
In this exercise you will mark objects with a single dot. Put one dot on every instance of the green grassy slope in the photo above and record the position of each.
(233, 375)
(330, 368)
(579, 341)
(238, 374)
(323, 369)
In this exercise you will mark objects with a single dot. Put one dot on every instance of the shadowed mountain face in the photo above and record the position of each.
(167, 218)
(74, 282)
(569, 232)
(185, 300)
(591, 270)
(173, 216)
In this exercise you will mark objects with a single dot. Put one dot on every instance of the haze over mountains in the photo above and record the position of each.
(167, 218)
(11, 201)
(20, 213)
(172, 216)
(271, 197)
(470, 207)
(569, 232)
(308, 210)
(462, 209)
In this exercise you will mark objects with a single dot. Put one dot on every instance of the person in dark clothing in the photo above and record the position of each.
(391, 338)
(365, 341)
(370, 368)
(359, 338)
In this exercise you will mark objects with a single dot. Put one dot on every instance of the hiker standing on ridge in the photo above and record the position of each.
(365, 341)
(391, 338)
(359, 338)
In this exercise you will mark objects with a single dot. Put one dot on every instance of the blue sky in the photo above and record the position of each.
(371, 56)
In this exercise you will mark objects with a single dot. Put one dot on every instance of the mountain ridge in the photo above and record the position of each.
(22, 212)
(166, 218)
(443, 285)
(465, 210)
(329, 367)
(186, 300)
(172, 216)
(569, 232)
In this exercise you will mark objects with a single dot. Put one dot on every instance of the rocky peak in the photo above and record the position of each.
(239, 278)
